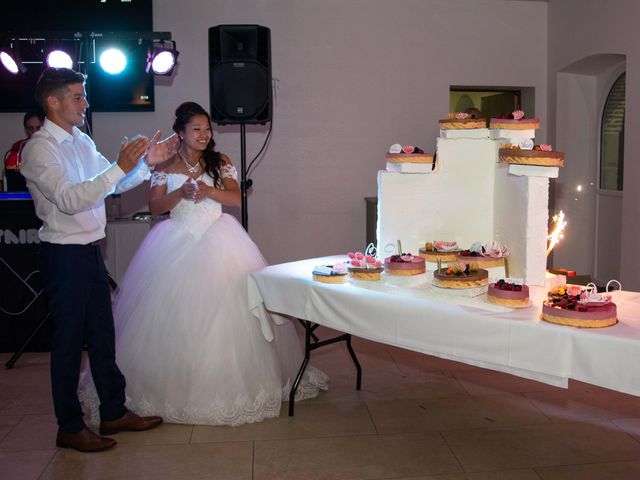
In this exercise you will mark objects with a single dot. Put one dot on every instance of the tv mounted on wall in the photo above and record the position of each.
(36, 23)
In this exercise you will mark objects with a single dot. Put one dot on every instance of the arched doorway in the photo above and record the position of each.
(609, 192)
(593, 209)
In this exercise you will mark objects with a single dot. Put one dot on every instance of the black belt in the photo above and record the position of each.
(94, 243)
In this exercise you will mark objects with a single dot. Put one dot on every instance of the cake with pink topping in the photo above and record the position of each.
(577, 306)
(408, 159)
(404, 265)
(508, 293)
(407, 154)
(337, 273)
(491, 254)
(514, 121)
(460, 121)
(364, 267)
(528, 154)
(440, 250)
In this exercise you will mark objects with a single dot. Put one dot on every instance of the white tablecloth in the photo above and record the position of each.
(425, 319)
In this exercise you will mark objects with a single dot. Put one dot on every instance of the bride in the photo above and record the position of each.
(185, 340)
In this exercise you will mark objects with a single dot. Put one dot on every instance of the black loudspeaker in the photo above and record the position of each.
(240, 74)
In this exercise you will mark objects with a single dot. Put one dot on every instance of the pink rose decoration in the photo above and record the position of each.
(359, 256)
(378, 263)
(356, 263)
(461, 116)
(369, 259)
(351, 255)
(545, 147)
(518, 115)
(574, 290)
(406, 257)
(408, 148)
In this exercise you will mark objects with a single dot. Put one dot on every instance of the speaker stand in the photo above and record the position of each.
(245, 184)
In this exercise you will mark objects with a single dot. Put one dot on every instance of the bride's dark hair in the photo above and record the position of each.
(212, 161)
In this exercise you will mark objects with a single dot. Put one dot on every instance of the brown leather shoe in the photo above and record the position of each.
(84, 441)
(129, 422)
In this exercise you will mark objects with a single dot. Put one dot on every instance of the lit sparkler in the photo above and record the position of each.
(557, 233)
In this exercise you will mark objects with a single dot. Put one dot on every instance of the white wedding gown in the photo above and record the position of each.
(186, 342)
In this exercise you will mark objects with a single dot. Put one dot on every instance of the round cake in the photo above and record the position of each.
(483, 262)
(440, 250)
(531, 157)
(330, 274)
(569, 305)
(404, 265)
(409, 158)
(471, 279)
(462, 123)
(596, 316)
(363, 273)
(513, 124)
(508, 294)
(433, 256)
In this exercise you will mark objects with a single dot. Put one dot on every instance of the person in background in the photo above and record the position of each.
(69, 180)
(474, 112)
(32, 122)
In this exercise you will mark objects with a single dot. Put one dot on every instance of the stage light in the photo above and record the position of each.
(113, 61)
(10, 58)
(59, 59)
(162, 59)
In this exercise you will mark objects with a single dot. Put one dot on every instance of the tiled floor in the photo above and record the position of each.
(416, 417)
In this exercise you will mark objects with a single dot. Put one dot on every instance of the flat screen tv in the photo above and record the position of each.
(36, 22)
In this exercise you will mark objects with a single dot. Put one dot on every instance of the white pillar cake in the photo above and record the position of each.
(468, 196)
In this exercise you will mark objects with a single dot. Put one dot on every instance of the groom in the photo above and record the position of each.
(69, 180)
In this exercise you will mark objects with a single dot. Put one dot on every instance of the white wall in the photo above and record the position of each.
(353, 77)
(605, 28)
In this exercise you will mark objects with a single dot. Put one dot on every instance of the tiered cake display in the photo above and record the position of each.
(470, 195)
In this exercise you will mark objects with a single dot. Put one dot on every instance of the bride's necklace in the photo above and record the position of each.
(193, 169)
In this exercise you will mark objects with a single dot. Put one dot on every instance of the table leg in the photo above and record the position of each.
(308, 347)
(355, 361)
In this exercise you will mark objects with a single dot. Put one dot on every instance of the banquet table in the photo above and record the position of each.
(415, 315)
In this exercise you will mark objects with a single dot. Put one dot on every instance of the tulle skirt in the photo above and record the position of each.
(186, 342)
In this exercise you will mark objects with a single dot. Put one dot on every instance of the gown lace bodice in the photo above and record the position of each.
(195, 217)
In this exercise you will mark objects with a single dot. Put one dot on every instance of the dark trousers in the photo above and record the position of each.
(79, 298)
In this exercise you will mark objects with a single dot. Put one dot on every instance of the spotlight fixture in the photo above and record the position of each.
(59, 59)
(162, 58)
(113, 61)
(10, 58)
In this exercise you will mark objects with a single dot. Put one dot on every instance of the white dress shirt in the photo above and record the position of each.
(69, 180)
